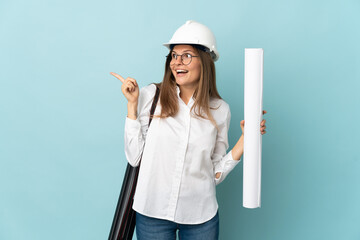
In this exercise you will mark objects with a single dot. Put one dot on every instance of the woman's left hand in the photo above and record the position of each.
(262, 125)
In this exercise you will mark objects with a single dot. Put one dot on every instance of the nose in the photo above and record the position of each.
(177, 61)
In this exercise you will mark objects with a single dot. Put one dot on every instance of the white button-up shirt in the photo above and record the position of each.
(181, 155)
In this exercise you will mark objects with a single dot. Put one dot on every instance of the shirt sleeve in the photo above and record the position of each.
(135, 130)
(223, 162)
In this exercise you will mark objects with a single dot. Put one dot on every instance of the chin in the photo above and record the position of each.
(180, 81)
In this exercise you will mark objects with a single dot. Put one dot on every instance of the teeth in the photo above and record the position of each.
(181, 71)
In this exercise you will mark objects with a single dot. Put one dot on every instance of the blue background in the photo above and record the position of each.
(62, 114)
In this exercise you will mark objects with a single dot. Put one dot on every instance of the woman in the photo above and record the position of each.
(184, 149)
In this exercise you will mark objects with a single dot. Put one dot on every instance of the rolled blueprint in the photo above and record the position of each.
(253, 96)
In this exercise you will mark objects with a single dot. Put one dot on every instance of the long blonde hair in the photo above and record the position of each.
(205, 89)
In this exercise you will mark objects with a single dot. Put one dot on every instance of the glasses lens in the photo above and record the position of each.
(186, 58)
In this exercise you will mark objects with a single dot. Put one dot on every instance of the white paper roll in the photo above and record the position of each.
(253, 96)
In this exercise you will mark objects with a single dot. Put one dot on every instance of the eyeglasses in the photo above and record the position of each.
(185, 58)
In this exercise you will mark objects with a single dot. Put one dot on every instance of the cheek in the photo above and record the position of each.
(173, 73)
(196, 71)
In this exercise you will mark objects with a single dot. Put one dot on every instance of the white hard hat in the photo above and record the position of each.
(193, 32)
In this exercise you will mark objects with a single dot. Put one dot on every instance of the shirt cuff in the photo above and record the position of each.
(132, 129)
(132, 124)
(227, 165)
(230, 162)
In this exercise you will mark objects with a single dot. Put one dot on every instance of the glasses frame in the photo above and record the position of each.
(182, 57)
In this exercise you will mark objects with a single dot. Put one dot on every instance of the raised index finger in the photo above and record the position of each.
(118, 76)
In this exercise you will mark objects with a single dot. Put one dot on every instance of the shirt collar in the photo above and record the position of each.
(191, 101)
(178, 90)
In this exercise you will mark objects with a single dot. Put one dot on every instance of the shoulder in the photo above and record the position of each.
(220, 110)
(148, 90)
(220, 106)
(146, 96)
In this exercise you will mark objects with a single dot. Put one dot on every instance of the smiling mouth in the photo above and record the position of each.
(181, 72)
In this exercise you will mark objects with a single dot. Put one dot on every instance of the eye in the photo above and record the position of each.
(187, 56)
(174, 56)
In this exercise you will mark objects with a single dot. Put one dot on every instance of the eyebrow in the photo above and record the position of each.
(184, 51)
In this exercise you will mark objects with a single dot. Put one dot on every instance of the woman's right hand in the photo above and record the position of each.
(129, 88)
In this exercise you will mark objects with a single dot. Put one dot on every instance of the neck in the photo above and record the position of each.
(186, 93)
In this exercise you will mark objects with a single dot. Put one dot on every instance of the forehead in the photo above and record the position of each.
(183, 48)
